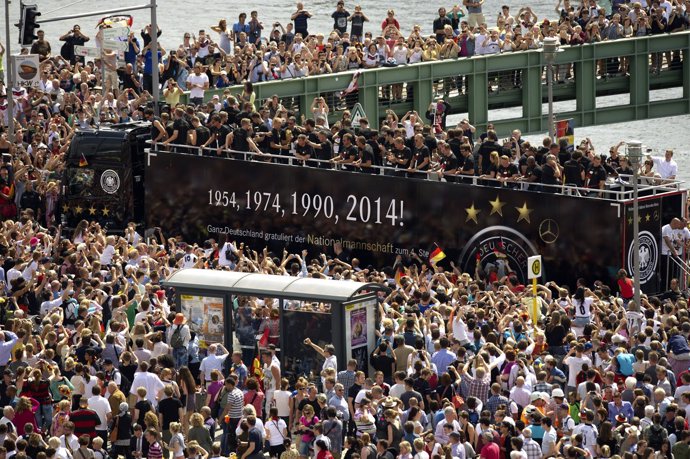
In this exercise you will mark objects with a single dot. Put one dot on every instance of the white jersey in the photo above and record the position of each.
(589, 436)
(635, 321)
(583, 308)
(189, 260)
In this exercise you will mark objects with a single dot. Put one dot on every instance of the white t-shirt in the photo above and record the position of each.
(574, 366)
(101, 406)
(201, 80)
(666, 169)
(189, 260)
(583, 308)
(459, 329)
(677, 237)
(275, 430)
(210, 363)
(282, 401)
(635, 319)
(589, 436)
(107, 255)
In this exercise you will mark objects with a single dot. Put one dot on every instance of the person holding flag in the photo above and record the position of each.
(436, 255)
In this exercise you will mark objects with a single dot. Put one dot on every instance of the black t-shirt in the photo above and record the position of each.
(354, 390)
(257, 439)
(182, 127)
(350, 152)
(144, 406)
(572, 170)
(535, 171)
(221, 134)
(278, 137)
(548, 175)
(239, 140)
(202, 135)
(418, 157)
(448, 163)
(597, 175)
(366, 154)
(169, 410)
(407, 395)
(507, 171)
(305, 150)
(340, 20)
(314, 404)
(439, 24)
(402, 154)
(325, 152)
(467, 163)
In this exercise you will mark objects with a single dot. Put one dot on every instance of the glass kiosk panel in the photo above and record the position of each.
(304, 319)
(205, 317)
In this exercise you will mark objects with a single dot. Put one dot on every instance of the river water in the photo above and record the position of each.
(175, 17)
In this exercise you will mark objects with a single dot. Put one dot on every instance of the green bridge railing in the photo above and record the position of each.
(477, 100)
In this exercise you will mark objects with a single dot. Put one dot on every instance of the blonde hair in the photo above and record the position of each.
(141, 391)
(196, 420)
(175, 427)
(54, 442)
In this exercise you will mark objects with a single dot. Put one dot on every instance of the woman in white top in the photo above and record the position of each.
(60, 451)
(276, 432)
(224, 42)
(281, 400)
(176, 443)
(582, 303)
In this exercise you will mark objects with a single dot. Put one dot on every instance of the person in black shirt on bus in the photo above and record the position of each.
(180, 128)
(400, 156)
(348, 153)
(421, 157)
(365, 156)
(218, 134)
(448, 162)
(303, 151)
(323, 149)
(596, 176)
(198, 135)
(573, 171)
(551, 174)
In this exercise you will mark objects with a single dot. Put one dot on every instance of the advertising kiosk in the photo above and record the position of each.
(343, 313)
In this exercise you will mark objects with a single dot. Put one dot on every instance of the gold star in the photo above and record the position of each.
(472, 213)
(630, 220)
(106, 211)
(497, 206)
(639, 219)
(65, 208)
(524, 212)
(647, 217)
(78, 210)
(92, 210)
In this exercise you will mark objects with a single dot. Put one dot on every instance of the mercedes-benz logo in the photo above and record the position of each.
(548, 231)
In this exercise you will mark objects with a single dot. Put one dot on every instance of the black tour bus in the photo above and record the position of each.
(103, 179)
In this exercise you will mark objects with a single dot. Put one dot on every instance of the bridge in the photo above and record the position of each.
(466, 83)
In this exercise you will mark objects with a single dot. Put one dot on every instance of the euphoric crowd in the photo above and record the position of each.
(97, 360)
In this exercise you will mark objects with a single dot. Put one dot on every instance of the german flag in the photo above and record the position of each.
(436, 255)
(399, 273)
(82, 161)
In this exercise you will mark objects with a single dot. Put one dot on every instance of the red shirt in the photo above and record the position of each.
(625, 286)
(490, 451)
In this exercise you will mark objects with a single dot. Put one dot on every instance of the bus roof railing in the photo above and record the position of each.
(618, 188)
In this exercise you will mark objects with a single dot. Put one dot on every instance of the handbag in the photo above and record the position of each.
(114, 432)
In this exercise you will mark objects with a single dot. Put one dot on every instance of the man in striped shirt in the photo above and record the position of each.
(155, 449)
(233, 411)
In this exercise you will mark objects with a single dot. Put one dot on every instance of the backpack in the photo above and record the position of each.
(657, 436)
(125, 383)
(176, 340)
(70, 311)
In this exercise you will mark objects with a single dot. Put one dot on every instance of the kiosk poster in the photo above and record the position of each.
(358, 325)
(205, 316)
